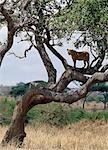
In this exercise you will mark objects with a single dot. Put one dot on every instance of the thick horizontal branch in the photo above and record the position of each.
(69, 75)
(97, 77)
(44, 96)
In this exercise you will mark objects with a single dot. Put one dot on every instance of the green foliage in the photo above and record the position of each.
(91, 15)
(106, 95)
(100, 87)
(53, 114)
(6, 109)
(103, 115)
(34, 114)
(19, 90)
(103, 98)
(57, 117)
(103, 88)
(82, 15)
(75, 115)
(60, 116)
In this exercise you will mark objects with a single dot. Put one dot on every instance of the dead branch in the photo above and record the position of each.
(12, 53)
(27, 50)
(25, 53)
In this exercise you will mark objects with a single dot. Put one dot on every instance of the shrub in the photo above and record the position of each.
(52, 113)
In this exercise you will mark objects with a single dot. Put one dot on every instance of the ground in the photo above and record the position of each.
(85, 135)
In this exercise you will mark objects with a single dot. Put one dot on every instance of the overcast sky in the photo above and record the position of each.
(14, 70)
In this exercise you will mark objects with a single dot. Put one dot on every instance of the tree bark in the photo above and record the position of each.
(69, 75)
(60, 57)
(46, 60)
(10, 36)
(84, 103)
(12, 27)
(105, 105)
(15, 134)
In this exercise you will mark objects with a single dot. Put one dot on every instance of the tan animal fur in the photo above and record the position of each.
(79, 56)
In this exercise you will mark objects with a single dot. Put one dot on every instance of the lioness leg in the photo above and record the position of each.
(87, 64)
(84, 63)
(74, 63)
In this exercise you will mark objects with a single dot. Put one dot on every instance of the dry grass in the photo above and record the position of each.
(81, 136)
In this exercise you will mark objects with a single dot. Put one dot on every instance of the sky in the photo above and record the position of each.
(14, 70)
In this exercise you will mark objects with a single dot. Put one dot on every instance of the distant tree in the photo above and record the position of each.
(105, 99)
(89, 98)
(102, 97)
(103, 88)
(84, 101)
(100, 87)
(19, 90)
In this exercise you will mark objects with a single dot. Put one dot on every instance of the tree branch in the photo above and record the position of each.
(11, 31)
(12, 53)
(60, 57)
(1, 4)
(46, 60)
(104, 68)
(69, 75)
(46, 95)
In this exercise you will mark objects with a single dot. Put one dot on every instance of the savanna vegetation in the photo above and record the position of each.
(56, 126)
(84, 135)
(53, 113)
(44, 23)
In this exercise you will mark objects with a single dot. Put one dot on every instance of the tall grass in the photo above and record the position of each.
(60, 127)
(84, 135)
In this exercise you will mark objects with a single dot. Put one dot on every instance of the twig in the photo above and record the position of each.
(1, 4)
(25, 53)
(12, 53)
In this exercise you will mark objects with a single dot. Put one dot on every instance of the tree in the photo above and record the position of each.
(18, 90)
(100, 87)
(44, 23)
(85, 100)
(105, 99)
(102, 97)
(103, 88)
(12, 27)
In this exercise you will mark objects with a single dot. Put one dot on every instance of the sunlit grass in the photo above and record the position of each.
(85, 135)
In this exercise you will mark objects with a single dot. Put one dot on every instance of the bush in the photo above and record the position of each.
(19, 90)
(33, 114)
(75, 115)
(57, 117)
(52, 113)
(6, 109)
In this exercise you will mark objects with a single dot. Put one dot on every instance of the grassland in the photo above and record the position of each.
(60, 127)
(85, 135)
